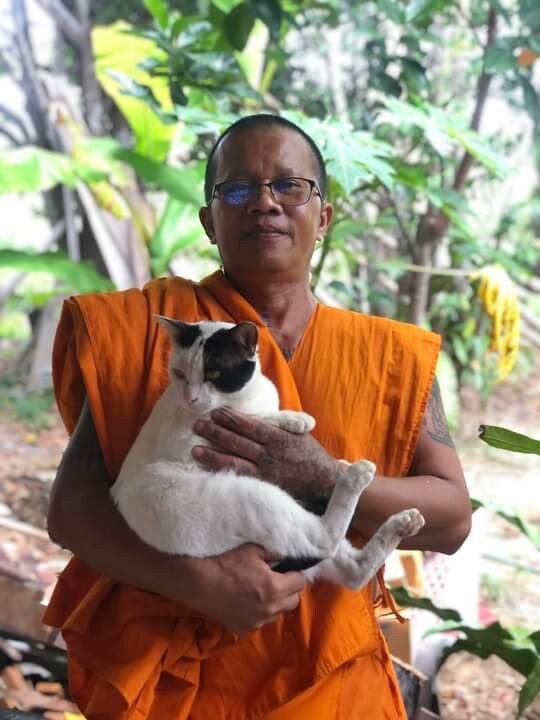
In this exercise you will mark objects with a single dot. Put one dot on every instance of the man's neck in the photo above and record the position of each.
(285, 307)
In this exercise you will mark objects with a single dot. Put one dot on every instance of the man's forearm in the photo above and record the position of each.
(443, 505)
(86, 522)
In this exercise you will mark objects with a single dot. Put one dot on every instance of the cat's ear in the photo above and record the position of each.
(181, 333)
(245, 334)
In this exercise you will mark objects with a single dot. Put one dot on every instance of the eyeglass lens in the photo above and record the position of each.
(287, 191)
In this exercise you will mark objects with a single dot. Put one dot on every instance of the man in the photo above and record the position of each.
(155, 636)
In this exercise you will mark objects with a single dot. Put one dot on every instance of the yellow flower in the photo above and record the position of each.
(497, 292)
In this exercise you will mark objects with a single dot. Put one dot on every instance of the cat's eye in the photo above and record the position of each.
(213, 374)
(179, 374)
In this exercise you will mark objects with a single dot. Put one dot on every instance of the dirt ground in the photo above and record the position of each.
(509, 565)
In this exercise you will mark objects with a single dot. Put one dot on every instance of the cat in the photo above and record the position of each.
(176, 506)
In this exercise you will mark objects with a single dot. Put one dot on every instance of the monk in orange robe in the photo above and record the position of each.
(171, 638)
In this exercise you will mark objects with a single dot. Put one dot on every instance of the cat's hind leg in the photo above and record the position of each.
(355, 567)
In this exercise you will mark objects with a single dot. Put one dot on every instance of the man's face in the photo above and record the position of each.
(265, 237)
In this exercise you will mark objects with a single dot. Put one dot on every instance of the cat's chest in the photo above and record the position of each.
(175, 442)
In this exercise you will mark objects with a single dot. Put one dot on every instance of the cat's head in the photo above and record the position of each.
(210, 361)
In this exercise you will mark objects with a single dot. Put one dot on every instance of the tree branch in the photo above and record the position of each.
(482, 90)
(67, 23)
(13, 140)
(17, 121)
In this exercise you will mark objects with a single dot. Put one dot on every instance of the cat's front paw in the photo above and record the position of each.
(408, 522)
(296, 422)
(359, 475)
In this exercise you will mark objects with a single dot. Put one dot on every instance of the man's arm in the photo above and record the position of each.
(83, 518)
(435, 484)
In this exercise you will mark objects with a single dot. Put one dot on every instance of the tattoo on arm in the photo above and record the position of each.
(435, 419)
(84, 452)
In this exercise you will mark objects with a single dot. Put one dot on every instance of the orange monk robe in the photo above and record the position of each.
(133, 654)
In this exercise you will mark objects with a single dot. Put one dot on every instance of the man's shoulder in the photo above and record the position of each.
(376, 323)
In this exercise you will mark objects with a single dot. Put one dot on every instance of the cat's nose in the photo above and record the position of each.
(190, 398)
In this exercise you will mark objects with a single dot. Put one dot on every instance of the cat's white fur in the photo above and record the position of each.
(178, 507)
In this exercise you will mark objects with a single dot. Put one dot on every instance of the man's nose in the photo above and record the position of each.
(266, 202)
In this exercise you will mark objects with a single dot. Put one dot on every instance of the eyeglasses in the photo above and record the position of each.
(285, 191)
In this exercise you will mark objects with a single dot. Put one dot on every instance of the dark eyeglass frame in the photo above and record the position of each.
(259, 185)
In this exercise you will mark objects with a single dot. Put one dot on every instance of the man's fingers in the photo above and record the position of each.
(214, 460)
(290, 583)
(228, 441)
(246, 425)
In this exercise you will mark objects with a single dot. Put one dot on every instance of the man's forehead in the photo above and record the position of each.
(251, 151)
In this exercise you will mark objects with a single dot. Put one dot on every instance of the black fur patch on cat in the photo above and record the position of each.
(232, 360)
(296, 564)
(187, 336)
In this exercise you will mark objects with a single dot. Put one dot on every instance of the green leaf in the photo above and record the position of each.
(79, 276)
(419, 10)
(500, 437)
(499, 57)
(514, 518)
(495, 640)
(393, 10)
(182, 184)
(238, 24)
(405, 599)
(118, 49)
(159, 10)
(178, 229)
(529, 12)
(270, 12)
(531, 689)
(351, 157)
(32, 169)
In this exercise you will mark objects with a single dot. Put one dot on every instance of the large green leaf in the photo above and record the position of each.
(495, 640)
(529, 11)
(118, 50)
(78, 276)
(419, 10)
(404, 115)
(32, 169)
(499, 56)
(505, 439)
(270, 12)
(238, 25)
(513, 517)
(159, 10)
(351, 157)
(394, 10)
(531, 689)
(182, 184)
(178, 228)
(405, 599)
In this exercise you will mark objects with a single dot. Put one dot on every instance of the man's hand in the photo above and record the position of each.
(297, 463)
(239, 590)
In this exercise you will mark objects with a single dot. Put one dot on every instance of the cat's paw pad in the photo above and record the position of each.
(360, 474)
(296, 422)
(408, 522)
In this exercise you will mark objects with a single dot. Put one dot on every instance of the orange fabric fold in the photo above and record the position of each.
(133, 654)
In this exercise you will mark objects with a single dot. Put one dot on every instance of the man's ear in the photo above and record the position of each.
(325, 219)
(206, 220)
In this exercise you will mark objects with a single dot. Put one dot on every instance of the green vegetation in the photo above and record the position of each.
(395, 93)
(518, 647)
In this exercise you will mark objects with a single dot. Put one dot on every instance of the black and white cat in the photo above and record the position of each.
(178, 507)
